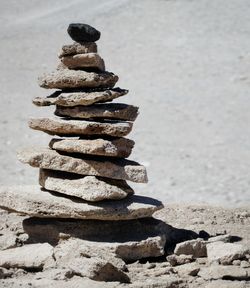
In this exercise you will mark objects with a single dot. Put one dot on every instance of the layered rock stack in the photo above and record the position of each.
(83, 172)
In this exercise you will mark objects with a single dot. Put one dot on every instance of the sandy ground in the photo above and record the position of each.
(186, 63)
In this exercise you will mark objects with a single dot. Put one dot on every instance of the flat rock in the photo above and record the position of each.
(80, 32)
(105, 111)
(225, 253)
(175, 260)
(78, 48)
(120, 147)
(120, 169)
(66, 79)
(86, 60)
(33, 201)
(195, 247)
(70, 99)
(32, 256)
(89, 188)
(226, 284)
(57, 126)
(190, 269)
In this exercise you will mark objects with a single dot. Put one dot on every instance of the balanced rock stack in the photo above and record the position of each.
(83, 172)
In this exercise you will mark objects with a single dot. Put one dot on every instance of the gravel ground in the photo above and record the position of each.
(186, 63)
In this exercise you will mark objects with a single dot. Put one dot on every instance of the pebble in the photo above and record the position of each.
(83, 32)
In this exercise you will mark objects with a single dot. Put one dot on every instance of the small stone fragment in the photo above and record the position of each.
(8, 240)
(66, 79)
(120, 147)
(88, 188)
(80, 32)
(196, 248)
(77, 48)
(60, 127)
(190, 269)
(87, 60)
(175, 260)
(105, 111)
(32, 256)
(71, 99)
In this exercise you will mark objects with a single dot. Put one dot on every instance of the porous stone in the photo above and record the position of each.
(120, 169)
(78, 48)
(71, 99)
(80, 32)
(196, 248)
(88, 188)
(87, 60)
(32, 256)
(104, 111)
(66, 79)
(120, 147)
(57, 126)
(33, 201)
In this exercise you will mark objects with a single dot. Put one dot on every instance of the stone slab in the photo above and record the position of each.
(120, 169)
(33, 201)
(78, 48)
(105, 111)
(89, 188)
(87, 60)
(119, 147)
(70, 99)
(60, 127)
(66, 79)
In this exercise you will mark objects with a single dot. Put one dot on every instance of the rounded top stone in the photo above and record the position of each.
(80, 32)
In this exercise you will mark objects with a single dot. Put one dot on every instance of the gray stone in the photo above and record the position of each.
(88, 188)
(32, 256)
(226, 284)
(33, 201)
(71, 99)
(225, 253)
(196, 248)
(66, 78)
(55, 126)
(77, 48)
(175, 260)
(222, 238)
(120, 169)
(104, 111)
(87, 60)
(188, 269)
(8, 240)
(119, 147)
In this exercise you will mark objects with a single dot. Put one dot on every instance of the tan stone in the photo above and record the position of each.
(33, 201)
(79, 98)
(77, 48)
(65, 79)
(88, 188)
(119, 147)
(87, 60)
(57, 126)
(104, 111)
(120, 169)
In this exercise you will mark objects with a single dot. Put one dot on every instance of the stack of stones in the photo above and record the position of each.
(84, 170)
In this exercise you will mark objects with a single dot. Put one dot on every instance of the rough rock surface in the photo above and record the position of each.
(108, 111)
(88, 188)
(120, 169)
(32, 256)
(65, 79)
(34, 201)
(87, 60)
(70, 99)
(175, 260)
(121, 147)
(55, 126)
(77, 48)
(196, 248)
(83, 32)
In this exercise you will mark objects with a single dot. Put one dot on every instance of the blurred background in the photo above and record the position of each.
(187, 66)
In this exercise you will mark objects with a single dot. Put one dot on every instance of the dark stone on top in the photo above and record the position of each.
(83, 32)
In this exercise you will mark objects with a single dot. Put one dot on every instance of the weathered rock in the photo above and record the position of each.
(66, 78)
(221, 238)
(55, 126)
(175, 260)
(33, 201)
(120, 169)
(231, 272)
(8, 240)
(88, 188)
(77, 48)
(5, 273)
(105, 111)
(226, 284)
(87, 60)
(225, 253)
(196, 248)
(71, 99)
(120, 147)
(32, 256)
(188, 269)
(80, 32)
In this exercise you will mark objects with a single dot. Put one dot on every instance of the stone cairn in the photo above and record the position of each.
(84, 194)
